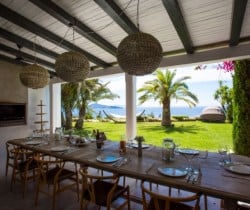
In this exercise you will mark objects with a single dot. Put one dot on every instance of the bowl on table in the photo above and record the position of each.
(78, 141)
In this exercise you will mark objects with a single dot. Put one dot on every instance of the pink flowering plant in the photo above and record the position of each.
(227, 66)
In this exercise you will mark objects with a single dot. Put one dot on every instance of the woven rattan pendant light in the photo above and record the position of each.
(139, 53)
(34, 76)
(72, 66)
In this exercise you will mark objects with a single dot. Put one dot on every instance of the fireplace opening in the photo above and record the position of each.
(12, 114)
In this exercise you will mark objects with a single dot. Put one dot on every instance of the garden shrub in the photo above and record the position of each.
(241, 107)
(180, 117)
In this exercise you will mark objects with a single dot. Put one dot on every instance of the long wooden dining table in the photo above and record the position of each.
(214, 181)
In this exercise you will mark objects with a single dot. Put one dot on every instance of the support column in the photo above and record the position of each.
(55, 106)
(130, 106)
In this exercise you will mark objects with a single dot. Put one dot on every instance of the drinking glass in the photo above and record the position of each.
(222, 150)
(189, 158)
(99, 144)
(122, 144)
(204, 155)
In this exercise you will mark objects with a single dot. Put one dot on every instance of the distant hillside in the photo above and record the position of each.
(101, 106)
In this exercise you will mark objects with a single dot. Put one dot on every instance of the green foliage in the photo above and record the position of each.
(80, 95)
(164, 88)
(241, 107)
(180, 117)
(69, 98)
(140, 118)
(80, 132)
(224, 95)
(190, 134)
(89, 115)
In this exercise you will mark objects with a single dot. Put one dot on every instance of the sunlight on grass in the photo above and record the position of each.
(193, 134)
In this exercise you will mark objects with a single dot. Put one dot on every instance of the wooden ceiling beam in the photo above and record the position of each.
(25, 56)
(25, 23)
(178, 21)
(12, 60)
(28, 44)
(239, 10)
(118, 15)
(238, 52)
(60, 14)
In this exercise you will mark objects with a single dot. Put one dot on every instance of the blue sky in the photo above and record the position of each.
(203, 84)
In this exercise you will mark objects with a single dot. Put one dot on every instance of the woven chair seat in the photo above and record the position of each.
(103, 191)
(64, 174)
(31, 166)
(102, 188)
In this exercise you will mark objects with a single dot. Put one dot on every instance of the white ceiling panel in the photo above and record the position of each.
(245, 31)
(208, 23)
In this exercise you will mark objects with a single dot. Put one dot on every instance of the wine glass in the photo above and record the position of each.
(189, 155)
(222, 150)
(204, 155)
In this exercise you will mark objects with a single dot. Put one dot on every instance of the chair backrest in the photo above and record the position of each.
(21, 155)
(88, 181)
(163, 202)
(44, 165)
(8, 149)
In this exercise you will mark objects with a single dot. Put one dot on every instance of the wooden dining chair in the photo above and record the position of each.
(103, 191)
(154, 201)
(53, 172)
(24, 167)
(9, 157)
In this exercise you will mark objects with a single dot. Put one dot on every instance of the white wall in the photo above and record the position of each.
(34, 98)
(13, 91)
(55, 102)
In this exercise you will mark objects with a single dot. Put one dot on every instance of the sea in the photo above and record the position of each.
(156, 112)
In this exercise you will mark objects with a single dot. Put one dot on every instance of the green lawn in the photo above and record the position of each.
(192, 134)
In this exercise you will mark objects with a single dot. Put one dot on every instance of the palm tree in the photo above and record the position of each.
(80, 95)
(91, 91)
(69, 97)
(224, 95)
(163, 88)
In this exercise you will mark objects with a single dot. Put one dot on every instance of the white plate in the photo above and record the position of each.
(189, 151)
(35, 142)
(173, 172)
(238, 168)
(59, 148)
(108, 158)
(144, 146)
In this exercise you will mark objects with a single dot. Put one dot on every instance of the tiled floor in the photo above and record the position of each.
(66, 200)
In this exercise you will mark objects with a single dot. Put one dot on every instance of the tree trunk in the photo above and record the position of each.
(80, 122)
(166, 115)
(241, 107)
(63, 123)
(68, 116)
